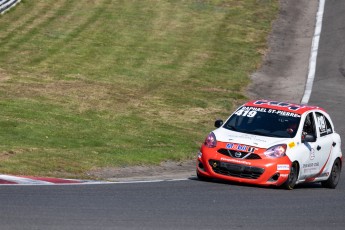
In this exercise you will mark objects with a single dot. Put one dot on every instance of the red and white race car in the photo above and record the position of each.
(273, 143)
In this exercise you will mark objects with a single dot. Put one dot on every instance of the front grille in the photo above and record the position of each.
(236, 170)
(238, 154)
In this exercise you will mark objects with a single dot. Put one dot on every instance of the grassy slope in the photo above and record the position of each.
(96, 83)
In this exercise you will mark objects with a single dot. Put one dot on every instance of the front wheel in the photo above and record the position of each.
(333, 179)
(293, 176)
(201, 177)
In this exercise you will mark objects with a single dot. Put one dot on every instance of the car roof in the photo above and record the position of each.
(284, 106)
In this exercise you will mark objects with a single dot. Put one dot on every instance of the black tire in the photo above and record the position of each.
(333, 179)
(293, 176)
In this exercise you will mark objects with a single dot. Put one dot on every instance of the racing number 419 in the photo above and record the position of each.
(246, 113)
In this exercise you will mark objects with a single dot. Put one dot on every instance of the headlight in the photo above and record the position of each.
(211, 141)
(276, 151)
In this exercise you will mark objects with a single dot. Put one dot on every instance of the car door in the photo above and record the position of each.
(320, 150)
(309, 165)
(324, 141)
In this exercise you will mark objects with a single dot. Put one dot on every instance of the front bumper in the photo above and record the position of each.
(266, 171)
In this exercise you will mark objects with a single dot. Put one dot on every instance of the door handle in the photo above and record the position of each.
(318, 147)
(334, 144)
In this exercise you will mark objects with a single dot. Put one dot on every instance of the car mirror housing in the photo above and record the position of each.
(218, 123)
(308, 138)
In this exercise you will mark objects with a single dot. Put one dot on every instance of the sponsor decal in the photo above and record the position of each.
(312, 154)
(283, 113)
(251, 149)
(239, 147)
(311, 168)
(310, 171)
(255, 109)
(283, 167)
(242, 147)
(284, 175)
(248, 111)
(291, 145)
(250, 137)
(230, 145)
(290, 106)
(235, 161)
(322, 124)
(309, 165)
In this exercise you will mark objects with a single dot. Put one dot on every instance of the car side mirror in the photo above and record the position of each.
(218, 123)
(308, 138)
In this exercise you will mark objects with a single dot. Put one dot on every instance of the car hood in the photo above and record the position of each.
(225, 135)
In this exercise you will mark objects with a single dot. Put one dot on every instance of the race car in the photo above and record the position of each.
(272, 143)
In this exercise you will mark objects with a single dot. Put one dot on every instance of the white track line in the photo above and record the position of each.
(149, 181)
(313, 53)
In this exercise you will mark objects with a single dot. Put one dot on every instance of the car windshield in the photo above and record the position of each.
(264, 122)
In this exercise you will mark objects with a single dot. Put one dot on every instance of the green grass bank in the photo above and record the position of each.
(109, 83)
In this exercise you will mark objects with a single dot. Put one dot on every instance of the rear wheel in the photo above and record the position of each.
(293, 176)
(333, 179)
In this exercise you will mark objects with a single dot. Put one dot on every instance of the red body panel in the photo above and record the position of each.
(288, 107)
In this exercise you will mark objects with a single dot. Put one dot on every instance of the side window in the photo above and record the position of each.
(309, 125)
(325, 127)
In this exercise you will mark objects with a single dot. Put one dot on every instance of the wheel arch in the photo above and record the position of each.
(298, 167)
(340, 161)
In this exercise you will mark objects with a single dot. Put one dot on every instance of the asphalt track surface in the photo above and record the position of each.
(192, 204)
